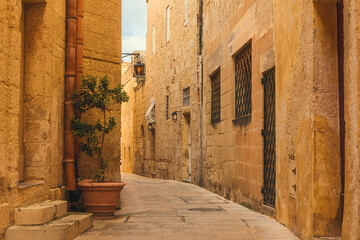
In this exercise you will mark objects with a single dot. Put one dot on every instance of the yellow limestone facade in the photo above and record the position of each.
(310, 108)
(313, 47)
(32, 89)
(168, 151)
(132, 134)
(102, 55)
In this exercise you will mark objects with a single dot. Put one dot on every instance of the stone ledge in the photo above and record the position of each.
(40, 213)
(29, 184)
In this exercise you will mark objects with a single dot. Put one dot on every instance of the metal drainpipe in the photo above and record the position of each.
(79, 60)
(70, 85)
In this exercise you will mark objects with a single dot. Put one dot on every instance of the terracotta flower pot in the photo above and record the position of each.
(100, 198)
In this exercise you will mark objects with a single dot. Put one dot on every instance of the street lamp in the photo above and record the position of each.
(151, 126)
(174, 115)
(139, 69)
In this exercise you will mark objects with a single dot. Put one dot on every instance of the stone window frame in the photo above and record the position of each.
(153, 39)
(215, 80)
(186, 12)
(167, 23)
(186, 97)
(167, 106)
(243, 86)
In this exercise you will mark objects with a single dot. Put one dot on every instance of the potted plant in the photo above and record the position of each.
(100, 195)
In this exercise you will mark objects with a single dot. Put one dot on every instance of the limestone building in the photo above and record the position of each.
(34, 47)
(133, 118)
(170, 149)
(273, 112)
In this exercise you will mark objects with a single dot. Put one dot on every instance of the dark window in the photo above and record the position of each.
(167, 106)
(186, 97)
(243, 101)
(215, 97)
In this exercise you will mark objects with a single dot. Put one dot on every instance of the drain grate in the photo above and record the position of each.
(206, 209)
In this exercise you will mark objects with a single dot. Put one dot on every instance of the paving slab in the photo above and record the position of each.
(153, 209)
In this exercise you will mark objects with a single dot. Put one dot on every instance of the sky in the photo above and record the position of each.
(133, 26)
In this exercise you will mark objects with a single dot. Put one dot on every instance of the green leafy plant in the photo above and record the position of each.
(95, 94)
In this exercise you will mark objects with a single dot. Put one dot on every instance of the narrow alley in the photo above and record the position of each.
(163, 209)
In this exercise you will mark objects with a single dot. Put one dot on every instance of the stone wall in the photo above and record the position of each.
(32, 62)
(171, 68)
(308, 133)
(131, 130)
(351, 218)
(102, 55)
(233, 159)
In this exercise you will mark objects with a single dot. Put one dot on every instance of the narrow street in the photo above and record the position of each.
(162, 209)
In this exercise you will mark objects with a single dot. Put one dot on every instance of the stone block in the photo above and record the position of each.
(65, 228)
(40, 213)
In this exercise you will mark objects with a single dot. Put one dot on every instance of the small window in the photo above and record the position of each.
(186, 12)
(186, 97)
(167, 106)
(215, 97)
(243, 84)
(153, 39)
(167, 23)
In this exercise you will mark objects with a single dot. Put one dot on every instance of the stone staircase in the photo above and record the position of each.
(47, 220)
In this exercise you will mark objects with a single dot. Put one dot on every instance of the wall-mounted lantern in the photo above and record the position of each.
(139, 69)
(174, 115)
(151, 126)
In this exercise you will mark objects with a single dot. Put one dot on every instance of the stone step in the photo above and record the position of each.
(40, 213)
(67, 227)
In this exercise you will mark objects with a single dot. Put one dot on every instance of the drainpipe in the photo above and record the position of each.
(79, 59)
(70, 85)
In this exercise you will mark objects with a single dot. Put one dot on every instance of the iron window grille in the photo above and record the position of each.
(269, 135)
(215, 97)
(243, 84)
(167, 106)
(186, 97)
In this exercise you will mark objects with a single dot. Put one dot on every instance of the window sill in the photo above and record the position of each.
(242, 120)
(29, 184)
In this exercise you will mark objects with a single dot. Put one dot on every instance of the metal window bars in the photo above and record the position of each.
(269, 135)
(215, 97)
(243, 85)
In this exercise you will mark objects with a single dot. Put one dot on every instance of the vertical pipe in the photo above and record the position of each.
(70, 85)
(340, 21)
(79, 58)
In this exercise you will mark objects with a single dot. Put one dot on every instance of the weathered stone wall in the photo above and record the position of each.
(170, 69)
(127, 119)
(131, 130)
(351, 218)
(308, 131)
(102, 55)
(233, 162)
(32, 61)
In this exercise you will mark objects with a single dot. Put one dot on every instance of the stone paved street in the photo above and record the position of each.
(161, 209)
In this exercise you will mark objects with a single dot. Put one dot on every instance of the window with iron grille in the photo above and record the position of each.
(243, 85)
(186, 97)
(167, 106)
(269, 136)
(215, 97)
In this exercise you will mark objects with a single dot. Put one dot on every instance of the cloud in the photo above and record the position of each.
(134, 25)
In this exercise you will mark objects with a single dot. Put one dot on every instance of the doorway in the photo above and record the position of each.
(186, 148)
